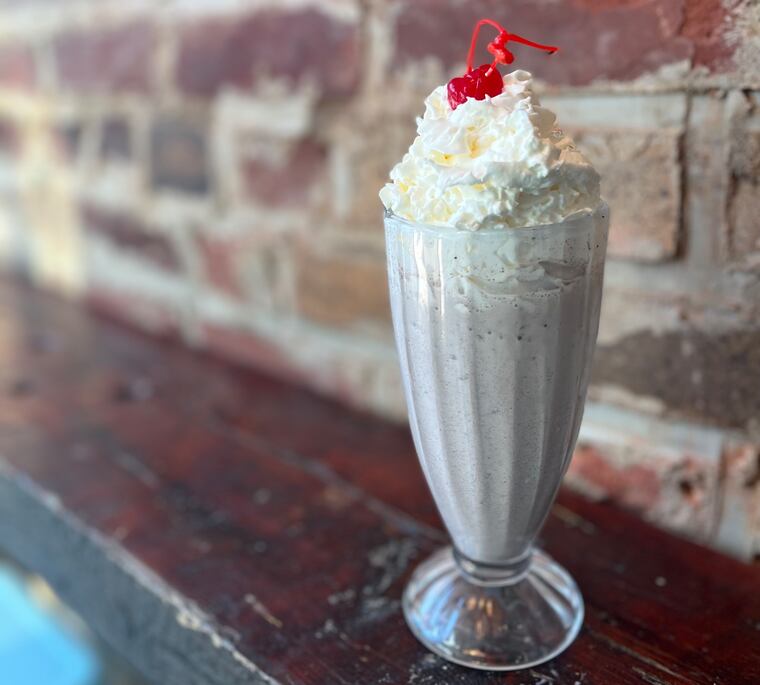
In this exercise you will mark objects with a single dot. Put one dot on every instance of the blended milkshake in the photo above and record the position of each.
(495, 238)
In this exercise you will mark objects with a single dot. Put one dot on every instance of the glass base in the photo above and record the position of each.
(493, 627)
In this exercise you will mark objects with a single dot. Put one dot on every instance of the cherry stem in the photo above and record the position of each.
(551, 49)
(503, 38)
(474, 40)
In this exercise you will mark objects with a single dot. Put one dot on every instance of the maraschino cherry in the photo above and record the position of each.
(486, 79)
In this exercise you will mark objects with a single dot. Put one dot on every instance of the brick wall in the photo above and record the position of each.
(211, 168)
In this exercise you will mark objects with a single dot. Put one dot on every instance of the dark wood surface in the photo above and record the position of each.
(220, 527)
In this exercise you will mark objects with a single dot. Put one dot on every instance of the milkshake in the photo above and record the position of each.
(495, 333)
(495, 237)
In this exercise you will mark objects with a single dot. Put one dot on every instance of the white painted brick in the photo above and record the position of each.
(640, 112)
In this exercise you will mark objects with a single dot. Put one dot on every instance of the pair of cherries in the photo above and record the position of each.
(486, 79)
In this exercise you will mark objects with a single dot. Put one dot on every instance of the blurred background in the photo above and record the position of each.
(209, 169)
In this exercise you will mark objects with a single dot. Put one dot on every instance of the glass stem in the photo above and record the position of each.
(494, 575)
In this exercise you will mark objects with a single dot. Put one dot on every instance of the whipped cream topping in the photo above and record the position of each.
(498, 162)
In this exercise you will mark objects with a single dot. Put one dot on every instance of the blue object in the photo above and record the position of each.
(34, 648)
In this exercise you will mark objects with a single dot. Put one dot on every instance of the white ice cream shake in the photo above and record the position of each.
(495, 239)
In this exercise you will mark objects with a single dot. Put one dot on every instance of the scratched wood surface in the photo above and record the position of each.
(220, 527)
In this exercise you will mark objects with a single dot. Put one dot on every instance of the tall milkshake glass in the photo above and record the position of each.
(495, 331)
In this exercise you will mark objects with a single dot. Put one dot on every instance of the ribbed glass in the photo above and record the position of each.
(495, 331)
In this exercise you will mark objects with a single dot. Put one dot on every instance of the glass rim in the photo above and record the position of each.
(573, 221)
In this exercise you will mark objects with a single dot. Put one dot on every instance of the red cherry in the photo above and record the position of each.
(476, 84)
(486, 79)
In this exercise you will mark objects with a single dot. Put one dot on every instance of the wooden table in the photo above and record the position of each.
(217, 526)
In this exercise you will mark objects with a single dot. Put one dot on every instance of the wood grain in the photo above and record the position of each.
(220, 527)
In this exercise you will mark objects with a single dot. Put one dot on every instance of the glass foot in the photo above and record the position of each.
(497, 628)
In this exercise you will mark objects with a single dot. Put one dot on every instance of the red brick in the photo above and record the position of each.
(129, 234)
(676, 491)
(115, 139)
(219, 265)
(10, 142)
(126, 307)
(641, 181)
(744, 197)
(108, 60)
(704, 24)
(342, 287)
(67, 137)
(612, 39)
(705, 376)
(739, 531)
(246, 264)
(297, 46)
(745, 153)
(634, 486)
(744, 221)
(665, 471)
(179, 156)
(289, 180)
(247, 348)
(17, 66)
(364, 152)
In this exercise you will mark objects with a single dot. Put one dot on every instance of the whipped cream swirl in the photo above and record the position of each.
(498, 162)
